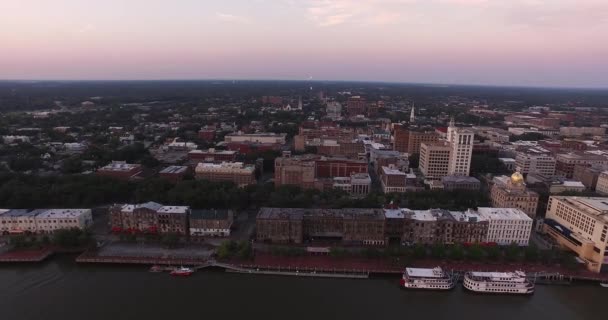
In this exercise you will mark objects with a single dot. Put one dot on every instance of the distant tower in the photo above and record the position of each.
(452, 124)
(413, 114)
(300, 103)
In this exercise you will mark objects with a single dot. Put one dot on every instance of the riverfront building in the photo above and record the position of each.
(506, 225)
(49, 221)
(434, 226)
(210, 223)
(502, 226)
(581, 225)
(17, 221)
(149, 217)
(294, 225)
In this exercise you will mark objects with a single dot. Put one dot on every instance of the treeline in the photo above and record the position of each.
(65, 238)
(457, 252)
(27, 191)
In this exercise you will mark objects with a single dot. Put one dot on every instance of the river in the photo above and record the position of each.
(61, 289)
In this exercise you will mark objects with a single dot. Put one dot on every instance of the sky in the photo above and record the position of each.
(489, 42)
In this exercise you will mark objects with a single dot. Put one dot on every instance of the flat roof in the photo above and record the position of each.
(19, 213)
(148, 205)
(423, 272)
(173, 209)
(174, 169)
(209, 214)
(388, 170)
(503, 214)
(63, 213)
(213, 151)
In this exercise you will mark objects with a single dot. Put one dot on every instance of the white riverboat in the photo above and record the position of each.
(430, 279)
(498, 282)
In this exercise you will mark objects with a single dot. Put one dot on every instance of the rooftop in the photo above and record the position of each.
(212, 151)
(460, 179)
(173, 209)
(301, 213)
(424, 273)
(119, 166)
(63, 213)
(174, 169)
(210, 214)
(392, 171)
(19, 213)
(148, 205)
(502, 214)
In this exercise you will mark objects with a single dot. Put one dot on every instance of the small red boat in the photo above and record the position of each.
(182, 272)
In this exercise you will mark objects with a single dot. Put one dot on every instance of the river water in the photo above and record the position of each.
(61, 289)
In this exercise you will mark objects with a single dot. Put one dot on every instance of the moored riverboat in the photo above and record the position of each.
(498, 282)
(427, 278)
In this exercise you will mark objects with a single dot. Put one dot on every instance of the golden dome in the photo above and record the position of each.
(517, 178)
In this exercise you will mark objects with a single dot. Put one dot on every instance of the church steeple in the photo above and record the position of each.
(413, 114)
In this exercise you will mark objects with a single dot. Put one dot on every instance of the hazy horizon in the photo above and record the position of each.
(521, 43)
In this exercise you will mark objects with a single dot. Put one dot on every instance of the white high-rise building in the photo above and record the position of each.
(506, 225)
(461, 142)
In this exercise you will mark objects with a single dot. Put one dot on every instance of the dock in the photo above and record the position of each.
(26, 256)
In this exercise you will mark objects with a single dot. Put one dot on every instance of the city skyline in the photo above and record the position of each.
(520, 43)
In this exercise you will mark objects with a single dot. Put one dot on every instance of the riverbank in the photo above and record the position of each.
(343, 267)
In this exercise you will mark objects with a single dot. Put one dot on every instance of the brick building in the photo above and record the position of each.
(206, 134)
(356, 105)
(296, 171)
(237, 172)
(451, 183)
(120, 170)
(353, 226)
(588, 174)
(210, 223)
(409, 139)
(330, 167)
(567, 161)
(149, 217)
(307, 171)
(392, 180)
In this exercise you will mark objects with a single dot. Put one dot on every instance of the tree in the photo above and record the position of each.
(456, 252)
(438, 251)
(337, 252)
(475, 252)
(414, 160)
(170, 240)
(528, 136)
(420, 251)
(512, 252)
(224, 251)
(492, 253)
(244, 250)
(531, 253)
